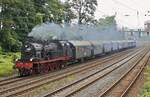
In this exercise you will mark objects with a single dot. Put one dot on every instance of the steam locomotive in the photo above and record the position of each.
(44, 56)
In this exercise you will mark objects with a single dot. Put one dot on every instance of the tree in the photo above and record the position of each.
(17, 20)
(107, 21)
(56, 11)
(52, 10)
(85, 9)
(18, 17)
(68, 12)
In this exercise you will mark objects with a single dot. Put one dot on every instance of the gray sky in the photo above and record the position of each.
(126, 11)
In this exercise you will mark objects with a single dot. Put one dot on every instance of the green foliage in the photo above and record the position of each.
(9, 41)
(18, 17)
(56, 11)
(39, 18)
(147, 94)
(7, 63)
(0, 49)
(146, 90)
(17, 20)
(51, 10)
(85, 9)
(107, 21)
(69, 14)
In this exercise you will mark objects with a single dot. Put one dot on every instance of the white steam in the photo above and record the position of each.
(47, 31)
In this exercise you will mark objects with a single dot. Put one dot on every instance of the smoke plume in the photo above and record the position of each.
(47, 31)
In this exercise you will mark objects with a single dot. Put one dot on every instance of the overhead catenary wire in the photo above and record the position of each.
(133, 9)
(120, 3)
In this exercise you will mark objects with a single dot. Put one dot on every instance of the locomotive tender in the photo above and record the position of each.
(44, 56)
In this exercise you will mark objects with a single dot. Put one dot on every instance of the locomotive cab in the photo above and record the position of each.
(51, 50)
(58, 49)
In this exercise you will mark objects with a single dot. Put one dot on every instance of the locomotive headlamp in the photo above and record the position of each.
(31, 59)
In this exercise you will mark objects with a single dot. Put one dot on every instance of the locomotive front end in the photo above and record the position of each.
(30, 53)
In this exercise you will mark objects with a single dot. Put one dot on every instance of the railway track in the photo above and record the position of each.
(25, 79)
(13, 91)
(121, 87)
(15, 79)
(73, 88)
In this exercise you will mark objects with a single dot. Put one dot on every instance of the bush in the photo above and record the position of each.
(147, 87)
(146, 90)
(7, 63)
(146, 94)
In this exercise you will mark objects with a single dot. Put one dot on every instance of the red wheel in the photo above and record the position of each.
(45, 68)
(51, 67)
(42, 69)
(55, 66)
(59, 66)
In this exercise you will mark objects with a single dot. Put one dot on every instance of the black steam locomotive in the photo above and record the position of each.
(44, 56)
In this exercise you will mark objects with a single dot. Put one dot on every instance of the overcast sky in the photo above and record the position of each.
(126, 10)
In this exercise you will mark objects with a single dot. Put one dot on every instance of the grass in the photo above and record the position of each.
(146, 89)
(6, 63)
